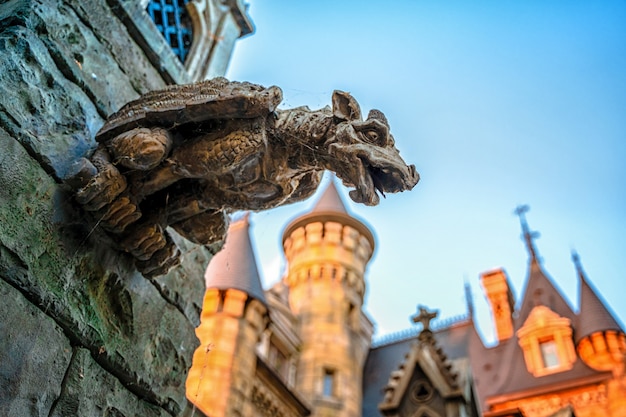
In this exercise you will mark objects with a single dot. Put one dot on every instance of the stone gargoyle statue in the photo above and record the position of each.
(187, 155)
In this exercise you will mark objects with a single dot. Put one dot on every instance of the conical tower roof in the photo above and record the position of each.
(594, 315)
(330, 201)
(235, 266)
(330, 207)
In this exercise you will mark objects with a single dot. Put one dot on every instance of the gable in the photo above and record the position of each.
(421, 398)
(424, 378)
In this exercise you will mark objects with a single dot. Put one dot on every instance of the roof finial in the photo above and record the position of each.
(527, 235)
(469, 299)
(424, 317)
(578, 265)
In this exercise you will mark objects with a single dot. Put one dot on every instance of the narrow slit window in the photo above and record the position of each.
(328, 387)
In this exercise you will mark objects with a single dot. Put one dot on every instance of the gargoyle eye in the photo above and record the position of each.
(372, 136)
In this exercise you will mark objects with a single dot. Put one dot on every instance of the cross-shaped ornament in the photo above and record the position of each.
(424, 317)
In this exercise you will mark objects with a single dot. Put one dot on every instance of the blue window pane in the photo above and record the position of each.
(174, 23)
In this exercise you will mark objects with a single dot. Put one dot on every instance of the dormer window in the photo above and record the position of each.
(546, 340)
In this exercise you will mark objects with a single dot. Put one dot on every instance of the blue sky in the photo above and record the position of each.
(497, 103)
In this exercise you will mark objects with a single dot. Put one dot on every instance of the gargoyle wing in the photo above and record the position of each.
(177, 105)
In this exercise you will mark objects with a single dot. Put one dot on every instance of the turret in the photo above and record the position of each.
(327, 252)
(600, 340)
(234, 314)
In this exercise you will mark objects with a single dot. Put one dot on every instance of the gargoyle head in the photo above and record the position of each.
(366, 149)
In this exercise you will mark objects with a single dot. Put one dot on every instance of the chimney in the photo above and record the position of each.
(498, 291)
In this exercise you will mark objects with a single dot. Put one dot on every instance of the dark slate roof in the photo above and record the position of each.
(502, 369)
(541, 291)
(235, 265)
(594, 315)
(384, 359)
(330, 201)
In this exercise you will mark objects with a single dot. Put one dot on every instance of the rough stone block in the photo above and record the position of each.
(115, 37)
(184, 285)
(116, 313)
(89, 390)
(81, 57)
(34, 354)
(52, 118)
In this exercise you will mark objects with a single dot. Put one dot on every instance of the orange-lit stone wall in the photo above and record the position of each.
(220, 380)
(598, 400)
(326, 266)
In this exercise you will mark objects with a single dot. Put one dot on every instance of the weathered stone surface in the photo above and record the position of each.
(184, 285)
(50, 116)
(34, 354)
(92, 292)
(114, 36)
(64, 66)
(89, 390)
(81, 57)
(85, 57)
(40, 266)
(133, 14)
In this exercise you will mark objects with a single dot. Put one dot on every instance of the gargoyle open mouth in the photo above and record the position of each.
(381, 175)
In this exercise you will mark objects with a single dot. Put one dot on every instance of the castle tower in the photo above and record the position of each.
(234, 315)
(327, 252)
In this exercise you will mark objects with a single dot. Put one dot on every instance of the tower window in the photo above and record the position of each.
(350, 314)
(174, 23)
(279, 361)
(549, 353)
(328, 385)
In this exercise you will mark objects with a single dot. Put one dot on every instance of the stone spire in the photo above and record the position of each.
(235, 266)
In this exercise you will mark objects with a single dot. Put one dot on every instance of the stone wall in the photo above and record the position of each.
(81, 332)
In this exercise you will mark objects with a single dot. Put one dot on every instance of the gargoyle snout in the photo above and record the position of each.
(413, 178)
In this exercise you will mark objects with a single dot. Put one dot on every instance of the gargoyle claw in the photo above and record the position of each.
(141, 149)
(143, 241)
(103, 187)
(161, 262)
(119, 214)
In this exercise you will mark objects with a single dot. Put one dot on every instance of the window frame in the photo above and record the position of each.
(329, 383)
(544, 325)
